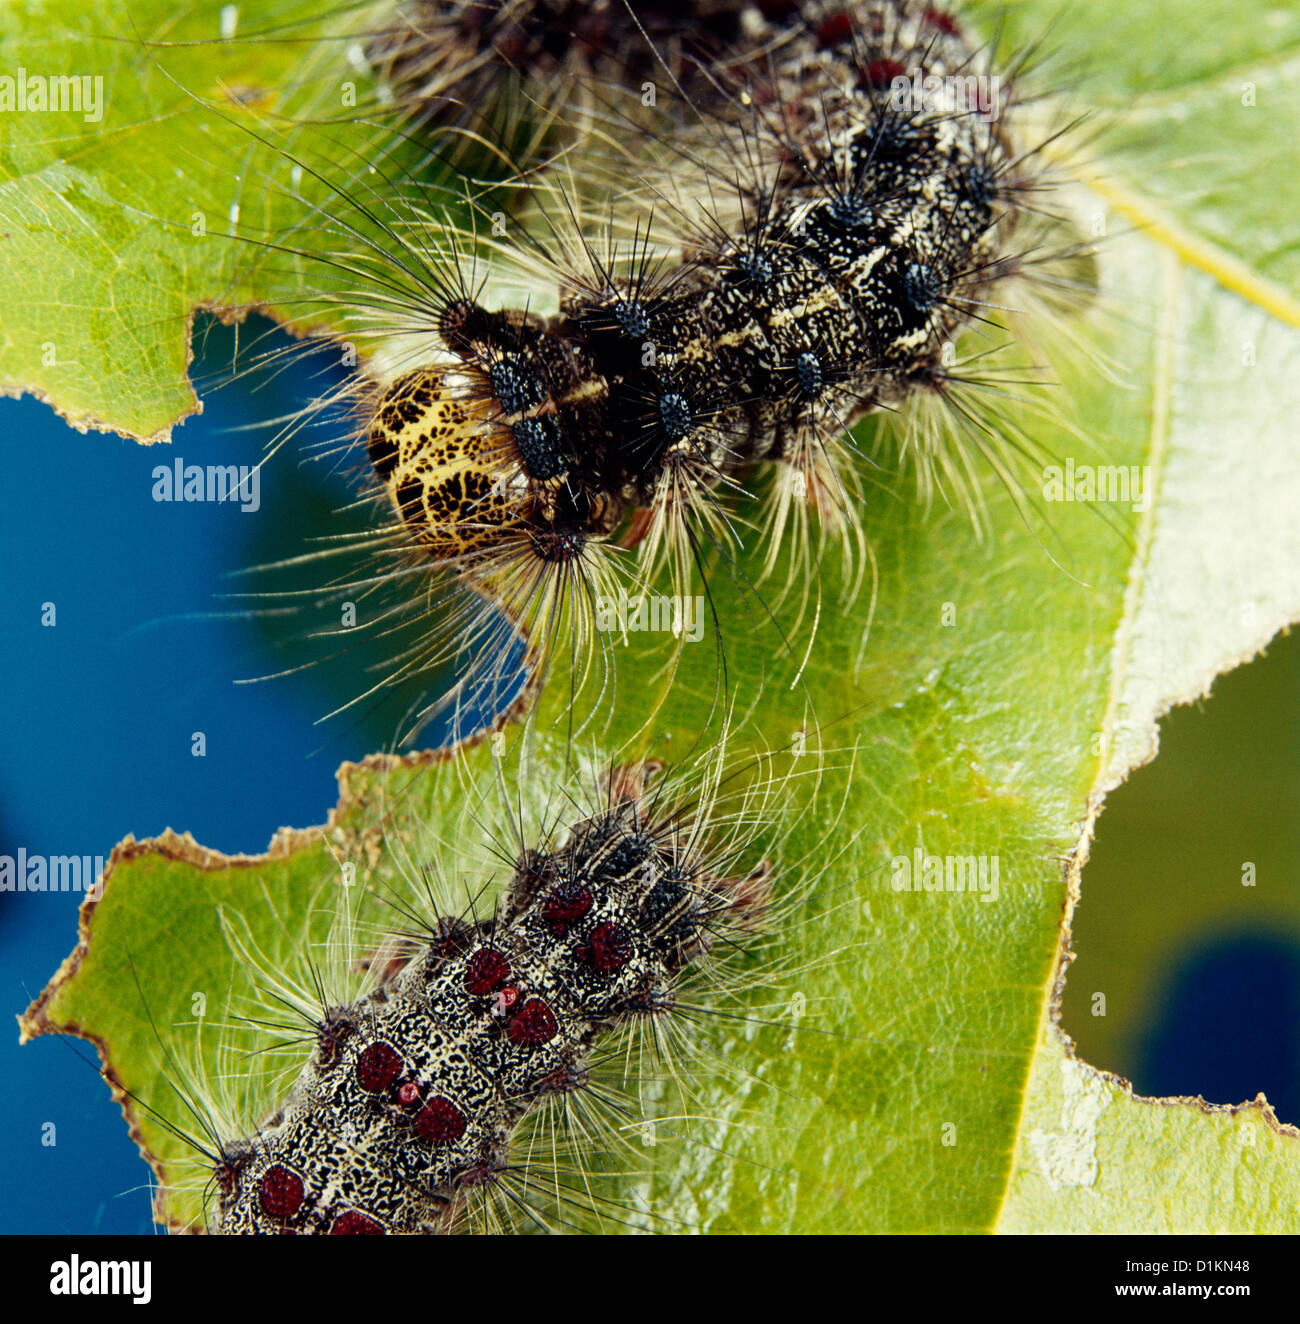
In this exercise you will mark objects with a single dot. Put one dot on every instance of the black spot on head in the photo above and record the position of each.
(674, 415)
(808, 370)
(517, 383)
(541, 446)
(410, 499)
(383, 453)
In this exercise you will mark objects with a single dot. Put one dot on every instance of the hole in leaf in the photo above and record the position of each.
(1187, 977)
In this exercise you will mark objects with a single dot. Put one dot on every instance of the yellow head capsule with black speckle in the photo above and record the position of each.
(447, 461)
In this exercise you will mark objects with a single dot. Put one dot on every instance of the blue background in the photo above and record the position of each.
(98, 713)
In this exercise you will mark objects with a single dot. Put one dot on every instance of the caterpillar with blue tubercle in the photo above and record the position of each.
(662, 336)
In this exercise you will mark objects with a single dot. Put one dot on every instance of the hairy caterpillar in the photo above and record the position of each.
(586, 371)
(859, 239)
(423, 1082)
(457, 1071)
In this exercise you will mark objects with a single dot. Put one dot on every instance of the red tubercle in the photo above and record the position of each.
(565, 907)
(936, 18)
(533, 1024)
(280, 1193)
(408, 1095)
(440, 1122)
(880, 73)
(504, 1000)
(487, 970)
(378, 1066)
(353, 1223)
(608, 949)
(834, 29)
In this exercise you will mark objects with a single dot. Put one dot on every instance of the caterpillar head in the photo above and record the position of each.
(442, 452)
(467, 483)
(483, 453)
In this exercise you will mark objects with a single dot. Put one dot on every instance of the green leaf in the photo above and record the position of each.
(925, 1087)
(114, 230)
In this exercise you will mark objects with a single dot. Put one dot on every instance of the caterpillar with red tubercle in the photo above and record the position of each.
(414, 1091)
(414, 1062)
